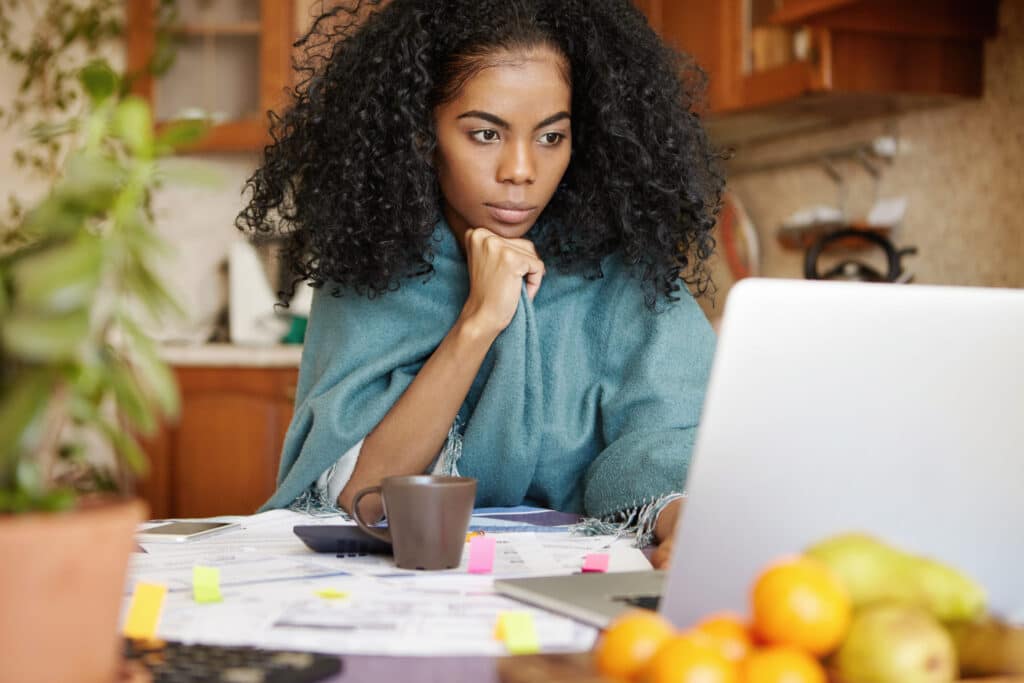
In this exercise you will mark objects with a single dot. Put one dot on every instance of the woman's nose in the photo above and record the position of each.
(517, 164)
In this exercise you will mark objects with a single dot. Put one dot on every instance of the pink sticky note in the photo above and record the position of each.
(481, 554)
(595, 562)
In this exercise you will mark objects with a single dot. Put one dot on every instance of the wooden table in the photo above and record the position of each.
(572, 668)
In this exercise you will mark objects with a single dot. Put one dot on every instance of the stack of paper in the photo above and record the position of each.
(275, 592)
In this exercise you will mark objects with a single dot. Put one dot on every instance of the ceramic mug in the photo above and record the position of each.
(428, 518)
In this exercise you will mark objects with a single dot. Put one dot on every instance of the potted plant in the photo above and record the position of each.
(78, 378)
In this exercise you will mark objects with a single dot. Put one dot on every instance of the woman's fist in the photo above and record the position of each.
(497, 268)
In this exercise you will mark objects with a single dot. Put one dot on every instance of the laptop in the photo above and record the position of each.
(838, 406)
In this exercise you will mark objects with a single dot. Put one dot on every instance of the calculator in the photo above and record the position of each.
(174, 662)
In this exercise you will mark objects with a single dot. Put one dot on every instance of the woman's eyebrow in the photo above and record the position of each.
(502, 123)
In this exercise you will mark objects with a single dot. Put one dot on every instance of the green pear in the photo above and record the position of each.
(948, 594)
(895, 643)
(871, 570)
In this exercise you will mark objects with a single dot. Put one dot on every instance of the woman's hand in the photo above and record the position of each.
(497, 266)
(665, 532)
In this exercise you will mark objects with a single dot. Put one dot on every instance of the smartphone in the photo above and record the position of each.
(179, 532)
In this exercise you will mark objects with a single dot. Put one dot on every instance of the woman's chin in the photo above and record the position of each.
(507, 230)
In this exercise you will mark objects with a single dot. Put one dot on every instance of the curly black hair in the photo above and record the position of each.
(349, 178)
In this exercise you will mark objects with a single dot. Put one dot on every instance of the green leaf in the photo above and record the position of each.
(22, 410)
(134, 124)
(17, 501)
(4, 299)
(164, 54)
(150, 292)
(154, 374)
(180, 134)
(54, 501)
(47, 132)
(51, 219)
(45, 338)
(11, 502)
(131, 403)
(90, 184)
(59, 278)
(88, 379)
(141, 241)
(126, 446)
(82, 410)
(28, 477)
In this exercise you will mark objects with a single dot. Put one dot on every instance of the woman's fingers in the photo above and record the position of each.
(525, 245)
(661, 555)
(498, 268)
(533, 277)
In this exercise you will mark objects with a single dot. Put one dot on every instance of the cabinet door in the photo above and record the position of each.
(227, 444)
(231, 62)
(749, 59)
(698, 29)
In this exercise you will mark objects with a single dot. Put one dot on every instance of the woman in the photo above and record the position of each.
(501, 205)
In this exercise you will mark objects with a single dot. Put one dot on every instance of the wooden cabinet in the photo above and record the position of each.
(222, 455)
(232, 62)
(785, 66)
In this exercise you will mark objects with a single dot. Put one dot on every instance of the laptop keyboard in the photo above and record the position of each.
(170, 662)
(645, 601)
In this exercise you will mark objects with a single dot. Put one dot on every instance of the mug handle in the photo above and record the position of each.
(378, 533)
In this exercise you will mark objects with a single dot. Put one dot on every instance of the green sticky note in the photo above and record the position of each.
(144, 611)
(518, 632)
(206, 584)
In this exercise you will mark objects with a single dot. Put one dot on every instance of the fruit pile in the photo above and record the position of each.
(849, 609)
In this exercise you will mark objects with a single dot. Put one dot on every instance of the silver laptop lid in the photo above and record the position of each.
(896, 410)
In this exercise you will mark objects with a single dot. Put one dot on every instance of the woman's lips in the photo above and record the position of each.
(509, 216)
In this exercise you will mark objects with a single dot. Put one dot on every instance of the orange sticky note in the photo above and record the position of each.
(144, 610)
(517, 631)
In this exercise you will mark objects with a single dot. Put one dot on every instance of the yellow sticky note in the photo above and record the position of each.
(332, 594)
(517, 631)
(144, 610)
(206, 584)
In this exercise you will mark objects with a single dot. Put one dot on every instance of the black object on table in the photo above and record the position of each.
(171, 662)
(340, 539)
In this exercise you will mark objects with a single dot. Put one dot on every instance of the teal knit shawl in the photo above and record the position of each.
(587, 402)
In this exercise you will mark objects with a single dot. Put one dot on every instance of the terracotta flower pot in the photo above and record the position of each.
(62, 579)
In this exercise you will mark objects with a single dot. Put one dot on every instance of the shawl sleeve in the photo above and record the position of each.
(656, 368)
(360, 356)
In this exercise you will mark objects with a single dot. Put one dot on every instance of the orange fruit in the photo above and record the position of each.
(781, 664)
(691, 657)
(800, 602)
(730, 633)
(629, 643)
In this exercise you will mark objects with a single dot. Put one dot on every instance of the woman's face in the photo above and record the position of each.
(504, 143)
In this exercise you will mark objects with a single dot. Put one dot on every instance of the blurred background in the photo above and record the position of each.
(866, 140)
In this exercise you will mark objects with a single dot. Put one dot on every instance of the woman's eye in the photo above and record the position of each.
(551, 139)
(485, 135)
